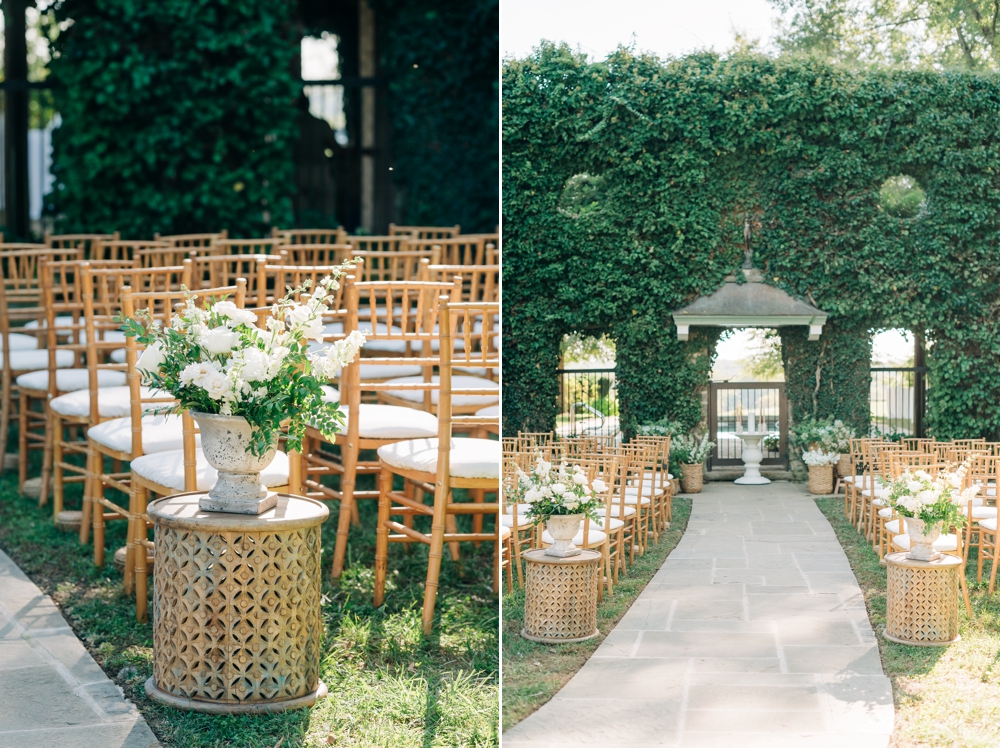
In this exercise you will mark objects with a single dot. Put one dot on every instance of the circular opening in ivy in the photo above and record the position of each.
(902, 196)
(581, 195)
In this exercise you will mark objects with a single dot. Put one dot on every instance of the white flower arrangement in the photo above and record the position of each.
(564, 490)
(919, 495)
(819, 458)
(217, 360)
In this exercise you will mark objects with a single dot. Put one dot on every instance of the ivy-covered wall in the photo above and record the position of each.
(442, 61)
(177, 116)
(678, 154)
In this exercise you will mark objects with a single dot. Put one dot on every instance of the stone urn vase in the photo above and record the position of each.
(563, 528)
(225, 440)
(922, 537)
(692, 477)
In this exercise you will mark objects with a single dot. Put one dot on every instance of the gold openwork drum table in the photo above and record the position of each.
(236, 606)
(922, 600)
(560, 597)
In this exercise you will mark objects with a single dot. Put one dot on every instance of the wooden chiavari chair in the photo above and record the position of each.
(659, 478)
(872, 498)
(440, 465)
(316, 254)
(165, 255)
(479, 282)
(192, 241)
(374, 425)
(86, 243)
(311, 236)
(461, 250)
(425, 232)
(121, 250)
(112, 433)
(217, 270)
(248, 246)
(22, 303)
(378, 243)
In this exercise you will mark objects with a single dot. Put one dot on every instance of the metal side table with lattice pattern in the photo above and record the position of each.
(560, 597)
(922, 600)
(236, 606)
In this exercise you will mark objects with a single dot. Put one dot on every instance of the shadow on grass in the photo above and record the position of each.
(533, 672)
(389, 685)
(943, 695)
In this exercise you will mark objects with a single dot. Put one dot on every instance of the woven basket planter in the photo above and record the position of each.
(821, 480)
(844, 466)
(692, 477)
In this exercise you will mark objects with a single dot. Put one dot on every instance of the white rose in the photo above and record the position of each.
(914, 486)
(196, 373)
(234, 313)
(579, 479)
(571, 504)
(531, 496)
(256, 365)
(152, 358)
(216, 385)
(219, 340)
(558, 488)
(599, 485)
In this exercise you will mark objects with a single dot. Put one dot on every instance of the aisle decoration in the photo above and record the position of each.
(243, 383)
(561, 497)
(820, 466)
(927, 504)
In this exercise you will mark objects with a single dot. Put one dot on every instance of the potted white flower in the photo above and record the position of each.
(692, 455)
(927, 504)
(820, 465)
(561, 498)
(242, 383)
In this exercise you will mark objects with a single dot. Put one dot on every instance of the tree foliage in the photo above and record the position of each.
(441, 58)
(177, 116)
(685, 149)
(948, 33)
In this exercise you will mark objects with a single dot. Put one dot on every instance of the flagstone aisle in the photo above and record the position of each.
(53, 694)
(752, 634)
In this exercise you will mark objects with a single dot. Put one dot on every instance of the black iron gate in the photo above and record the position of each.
(588, 402)
(730, 405)
(898, 400)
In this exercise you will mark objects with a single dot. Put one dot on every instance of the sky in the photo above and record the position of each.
(668, 28)
(889, 347)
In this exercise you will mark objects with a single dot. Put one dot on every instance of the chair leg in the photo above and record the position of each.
(349, 455)
(434, 557)
(382, 534)
(52, 455)
(131, 540)
(141, 571)
(452, 527)
(85, 515)
(996, 557)
(5, 402)
(22, 441)
(97, 508)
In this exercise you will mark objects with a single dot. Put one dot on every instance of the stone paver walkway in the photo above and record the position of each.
(53, 694)
(752, 634)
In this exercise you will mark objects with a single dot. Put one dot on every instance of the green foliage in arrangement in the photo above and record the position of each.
(441, 61)
(685, 151)
(176, 116)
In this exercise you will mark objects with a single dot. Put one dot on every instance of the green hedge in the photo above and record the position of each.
(679, 153)
(177, 116)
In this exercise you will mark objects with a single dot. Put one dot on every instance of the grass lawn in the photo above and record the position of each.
(532, 673)
(944, 696)
(388, 685)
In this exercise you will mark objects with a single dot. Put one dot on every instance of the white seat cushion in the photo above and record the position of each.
(470, 458)
(647, 490)
(490, 410)
(879, 492)
(610, 524)
(521, 508)
(114, 336)
(617, 511)
(21, 342)
(167, 469)
(330, 394)
(70, 380)
(885, 513)
(989, 524)
(893, 527)
(633, 500)
(594, 537)
(33, 360)
(60, 322)
(394, 422)
(504, 532)
(459, 382)
(982, 512)
(118, 356)
(507, 520)
(160, 433)
(944, 543)
(112, 402)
